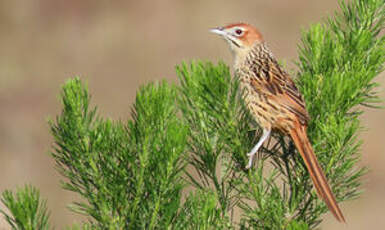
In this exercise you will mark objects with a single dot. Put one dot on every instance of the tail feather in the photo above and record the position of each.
(304, 147)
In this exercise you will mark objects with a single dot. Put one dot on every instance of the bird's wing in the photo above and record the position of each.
(278, 85)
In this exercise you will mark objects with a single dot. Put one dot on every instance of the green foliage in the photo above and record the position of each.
(218, 123)
(26, 210)
(159, 139)
(221, 133)
(337, 64)
(200, 211)
(85, 226)
(131, 174)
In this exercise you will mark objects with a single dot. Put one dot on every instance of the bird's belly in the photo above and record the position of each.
(266, 112)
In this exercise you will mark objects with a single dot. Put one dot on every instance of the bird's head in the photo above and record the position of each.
(240, 36)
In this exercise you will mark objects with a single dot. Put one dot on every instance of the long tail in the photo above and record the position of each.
(304, 147)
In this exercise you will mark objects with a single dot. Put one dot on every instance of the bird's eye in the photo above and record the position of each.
(238, 32)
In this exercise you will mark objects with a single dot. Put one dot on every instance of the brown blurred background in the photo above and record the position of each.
(117, 46)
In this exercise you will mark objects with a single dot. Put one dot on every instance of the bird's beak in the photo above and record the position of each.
(227, 36)
(218, 30)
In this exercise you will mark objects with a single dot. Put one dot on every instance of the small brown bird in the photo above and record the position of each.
(274, 100)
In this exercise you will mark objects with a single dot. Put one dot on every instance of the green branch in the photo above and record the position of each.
(194, 137)
(26, 210)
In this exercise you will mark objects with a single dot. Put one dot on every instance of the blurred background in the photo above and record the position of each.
(119, 45)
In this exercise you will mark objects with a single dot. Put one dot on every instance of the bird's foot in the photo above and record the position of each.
(251, 154)
(251, 158)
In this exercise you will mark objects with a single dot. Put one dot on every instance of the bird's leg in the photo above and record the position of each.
(251, 154)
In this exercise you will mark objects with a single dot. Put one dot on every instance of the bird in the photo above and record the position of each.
(274, 101)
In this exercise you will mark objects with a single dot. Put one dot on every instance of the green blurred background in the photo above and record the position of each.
(117, 46)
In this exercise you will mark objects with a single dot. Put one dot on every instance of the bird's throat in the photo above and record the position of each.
(254, 54)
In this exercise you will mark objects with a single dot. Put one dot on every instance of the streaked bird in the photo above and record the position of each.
(274, 101)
